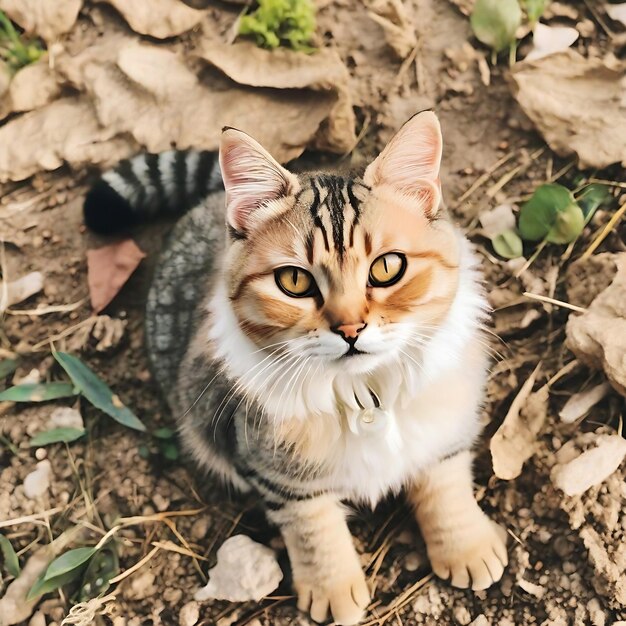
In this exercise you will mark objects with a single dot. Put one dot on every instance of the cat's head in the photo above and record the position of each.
(353, 272)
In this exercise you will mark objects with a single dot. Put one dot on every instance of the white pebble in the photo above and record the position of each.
(66, 417)
(245, 570)
(189, 614)
(38, 481)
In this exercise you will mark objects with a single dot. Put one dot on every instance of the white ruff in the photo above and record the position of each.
(424, 418)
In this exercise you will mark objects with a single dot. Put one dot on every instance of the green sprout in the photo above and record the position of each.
(16, 50)
(289, 23)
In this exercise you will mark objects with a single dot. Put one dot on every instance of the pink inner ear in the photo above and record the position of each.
(251, 176)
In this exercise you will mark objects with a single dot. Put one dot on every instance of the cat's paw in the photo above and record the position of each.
(476, 560)
(346, 599)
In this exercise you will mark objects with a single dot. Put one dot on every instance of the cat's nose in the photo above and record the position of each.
(349, 332)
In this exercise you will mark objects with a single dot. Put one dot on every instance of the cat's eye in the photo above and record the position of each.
(295, 282)
(387, 269)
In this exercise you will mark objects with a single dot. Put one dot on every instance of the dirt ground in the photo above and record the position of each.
(565, 551)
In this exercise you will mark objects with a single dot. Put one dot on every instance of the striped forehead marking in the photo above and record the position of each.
(332, 195)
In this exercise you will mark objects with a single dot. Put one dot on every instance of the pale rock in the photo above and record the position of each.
(37, 482)
(580, 403)
(66, 417)
(18, 290)
(481, 620)
(32, 378)
(245, 570)
(497, 220)
(189, 614)
(551, 39)
(591, 467)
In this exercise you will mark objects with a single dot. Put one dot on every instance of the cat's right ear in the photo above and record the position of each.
(253, 179)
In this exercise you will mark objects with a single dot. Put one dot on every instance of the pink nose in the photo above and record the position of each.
(349, 331)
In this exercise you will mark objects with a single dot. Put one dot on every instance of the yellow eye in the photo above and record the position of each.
(295, 282)
(387, 269)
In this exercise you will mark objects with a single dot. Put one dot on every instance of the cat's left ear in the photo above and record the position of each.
(252, 180)
(410, 162)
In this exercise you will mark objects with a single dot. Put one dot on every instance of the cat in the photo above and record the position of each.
(325, 345)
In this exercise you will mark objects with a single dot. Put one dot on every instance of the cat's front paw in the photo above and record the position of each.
(476, 559)
(346, 599)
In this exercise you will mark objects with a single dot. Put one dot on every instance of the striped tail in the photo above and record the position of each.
(150, 185)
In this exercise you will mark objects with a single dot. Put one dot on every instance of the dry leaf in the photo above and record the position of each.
(591, 467)
(20, 289)
(397, 25)
(550, 39)
(66, 130)
(577, 104)
(245, 570)
(598, 336)
(617, 12)
(108, 268)
(516, 439)
(158, 18)
(581, 403)
(33, 86)
(45, 18)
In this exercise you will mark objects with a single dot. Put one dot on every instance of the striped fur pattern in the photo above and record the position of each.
(140, 188)
(270, 386)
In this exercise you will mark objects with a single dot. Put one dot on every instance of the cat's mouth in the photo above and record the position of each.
(352, 351)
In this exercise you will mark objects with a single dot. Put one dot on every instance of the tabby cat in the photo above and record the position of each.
(324, 346)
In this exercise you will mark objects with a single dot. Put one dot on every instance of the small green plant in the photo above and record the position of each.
(164, 446)
(552, 215)
(275, 23)
(15, 49)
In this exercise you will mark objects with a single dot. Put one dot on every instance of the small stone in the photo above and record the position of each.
(38, 619)
(200, 528)
(66, 417)
(412, 562)
(161, 502)
(569, 567)
(563, 547)
(38, 482)
(40, 454)
(189, 614)
(481, 620)
(172, 596)
(462, 615)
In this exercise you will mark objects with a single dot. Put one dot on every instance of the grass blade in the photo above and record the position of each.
(40, 392)
(11, 562)
(57, 435)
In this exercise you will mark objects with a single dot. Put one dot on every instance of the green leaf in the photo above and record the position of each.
(7, 366)
(495, 22)
(43, 585)
(534, 9)
(551, 214)
(170, 451)
(164, 433)
(508, 244)
(97, 391)
(591, 197)
(68, 562)
(102, 567)
(11, 562)
(42, 392)
(57, 435)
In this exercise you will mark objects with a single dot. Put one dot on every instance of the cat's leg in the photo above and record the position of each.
(463, 544)
(326, 570)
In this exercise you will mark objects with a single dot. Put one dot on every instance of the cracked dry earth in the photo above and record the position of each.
(567, 553)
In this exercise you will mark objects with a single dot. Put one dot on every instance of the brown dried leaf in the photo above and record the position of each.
(598, 336)
(44, 18)
(399, 29)
(516, 439)
(66, 130)
(158, 18)
(584, 113)
(108, 268)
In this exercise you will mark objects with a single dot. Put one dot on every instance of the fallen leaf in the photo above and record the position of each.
(10, 561)
(591, 467)
(41, 17)
(399, 29)
(20, 289)
(158, 18)
(598, 336)
(108, 269)
(550, 39)
(617, 12)
(64, 131)
(37, 392)
(245, 570)
(516, 439)
(579, 404)
(56, 435)
(584, 113)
